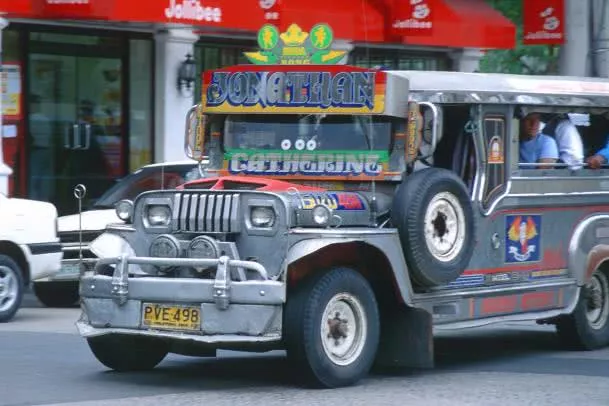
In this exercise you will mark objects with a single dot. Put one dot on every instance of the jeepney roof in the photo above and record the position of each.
(497, 88)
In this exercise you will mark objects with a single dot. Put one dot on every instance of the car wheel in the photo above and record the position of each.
(11, 288)
(331, 328)
(588, 326)
(57, 294)
(128, 353)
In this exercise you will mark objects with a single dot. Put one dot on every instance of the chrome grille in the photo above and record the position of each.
(206, 212)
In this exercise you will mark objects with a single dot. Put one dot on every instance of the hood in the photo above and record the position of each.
(92, 220)
(26, 207)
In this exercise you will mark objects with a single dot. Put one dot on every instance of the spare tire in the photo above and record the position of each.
(435, 220)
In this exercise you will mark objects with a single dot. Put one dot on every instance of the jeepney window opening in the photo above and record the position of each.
(456, 150)
(307, 132)
(494, 127)
(592, 125)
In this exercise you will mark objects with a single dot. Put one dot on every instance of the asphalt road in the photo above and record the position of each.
(43, 361)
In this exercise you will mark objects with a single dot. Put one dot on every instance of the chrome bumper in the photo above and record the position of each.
(233, 310)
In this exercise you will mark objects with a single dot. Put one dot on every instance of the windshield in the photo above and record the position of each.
(147, 179)
(310, 132)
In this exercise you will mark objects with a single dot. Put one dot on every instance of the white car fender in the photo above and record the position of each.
(109, 245)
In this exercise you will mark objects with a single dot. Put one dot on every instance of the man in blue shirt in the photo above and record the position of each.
(536, 147)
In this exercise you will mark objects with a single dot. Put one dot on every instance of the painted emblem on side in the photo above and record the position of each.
(523, 238)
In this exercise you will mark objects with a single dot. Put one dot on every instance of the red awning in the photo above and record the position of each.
(199, 13)
(467, 24)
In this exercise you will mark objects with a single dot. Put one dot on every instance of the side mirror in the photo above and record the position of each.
(194, 138)
(413, 132)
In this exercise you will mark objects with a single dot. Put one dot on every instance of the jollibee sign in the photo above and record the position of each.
(543, 22)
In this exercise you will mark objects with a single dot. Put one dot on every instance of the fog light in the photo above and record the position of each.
(165, 246)
(321, 215)
(203, 247)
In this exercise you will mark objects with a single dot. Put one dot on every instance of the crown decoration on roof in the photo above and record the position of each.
(295, 46)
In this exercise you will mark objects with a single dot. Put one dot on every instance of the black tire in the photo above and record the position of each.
(126, 353)
(57, 294)
(576, 330)
(411, 204)
(303, 317)
(11, 274)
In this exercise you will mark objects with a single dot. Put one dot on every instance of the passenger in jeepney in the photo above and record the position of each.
(568, 139)
(536, 147)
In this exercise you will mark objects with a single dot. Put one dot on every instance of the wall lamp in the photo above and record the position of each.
(187, 73)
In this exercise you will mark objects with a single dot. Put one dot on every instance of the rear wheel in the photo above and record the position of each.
(588, 326)
(128, 353)
(332, 328)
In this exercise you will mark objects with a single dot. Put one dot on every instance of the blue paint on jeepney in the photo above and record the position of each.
(523, 238)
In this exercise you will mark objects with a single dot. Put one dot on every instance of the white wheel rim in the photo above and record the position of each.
(597, 305)
(444, 227)
(9, 288)
(344, 329)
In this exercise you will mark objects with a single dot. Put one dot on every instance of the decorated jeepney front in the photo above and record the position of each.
(290, 147)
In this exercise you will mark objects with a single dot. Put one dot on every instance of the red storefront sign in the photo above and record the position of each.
(15, 6)
(272, 10)
(543, 22)
(413, 17)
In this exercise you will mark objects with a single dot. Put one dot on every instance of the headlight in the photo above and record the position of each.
(321, 215)
(158, 215)
(124, 210)
(262, 216)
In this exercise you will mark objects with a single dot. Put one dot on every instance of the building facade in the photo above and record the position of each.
(91, 89)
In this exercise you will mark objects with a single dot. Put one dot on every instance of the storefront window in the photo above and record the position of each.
(10, 45)
(403, 60)
(140, 104)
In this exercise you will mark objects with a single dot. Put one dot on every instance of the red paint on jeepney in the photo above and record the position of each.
(498, 305)
(261, 184)
(538, 300)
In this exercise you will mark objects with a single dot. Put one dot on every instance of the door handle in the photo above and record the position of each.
(66, 137)
(87, 136)
(75, 136)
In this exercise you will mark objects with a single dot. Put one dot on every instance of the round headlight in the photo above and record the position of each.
(321, 215)
(158, 215)
(124, 210)
(262, 217)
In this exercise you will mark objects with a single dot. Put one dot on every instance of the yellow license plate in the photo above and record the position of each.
(171, 317)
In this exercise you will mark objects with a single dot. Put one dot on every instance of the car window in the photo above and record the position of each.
(147, 179)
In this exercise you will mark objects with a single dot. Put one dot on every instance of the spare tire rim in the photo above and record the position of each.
(597, 303)
(9, 288)
(343, 329)
(444, 227)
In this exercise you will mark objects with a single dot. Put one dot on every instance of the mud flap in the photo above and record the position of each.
(406, 340)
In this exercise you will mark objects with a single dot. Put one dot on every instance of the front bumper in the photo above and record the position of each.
(232, 311)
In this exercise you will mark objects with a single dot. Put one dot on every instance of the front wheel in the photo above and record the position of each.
(11, 288)
(588, 326)
(128, 353)
(332, 328)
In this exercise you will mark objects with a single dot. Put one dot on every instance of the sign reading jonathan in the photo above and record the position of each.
(412, 17)
(295, 46)
(543, 22)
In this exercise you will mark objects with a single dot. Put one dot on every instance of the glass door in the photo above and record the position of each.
(75, 125)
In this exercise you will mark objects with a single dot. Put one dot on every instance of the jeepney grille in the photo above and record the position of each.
(206, 213)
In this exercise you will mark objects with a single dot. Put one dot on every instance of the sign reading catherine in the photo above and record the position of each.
(295, 46)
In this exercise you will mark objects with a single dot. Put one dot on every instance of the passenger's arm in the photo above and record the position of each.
(600, 158)
(548, 153)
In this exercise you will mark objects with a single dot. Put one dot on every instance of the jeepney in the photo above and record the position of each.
(349, 212)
